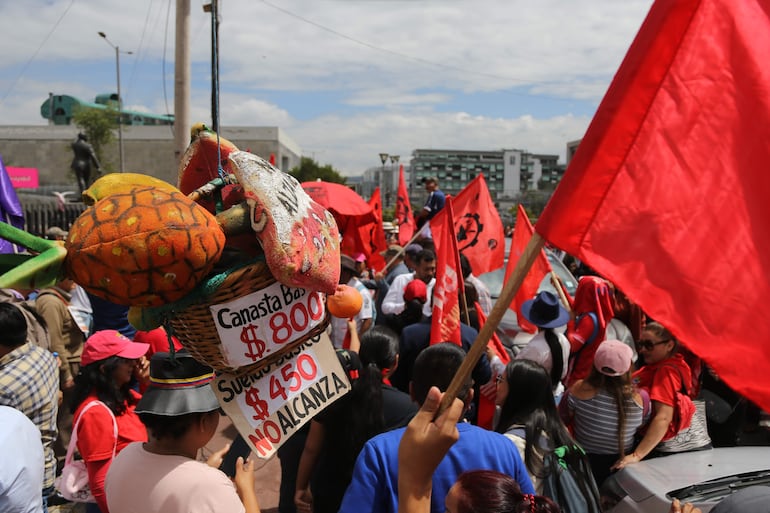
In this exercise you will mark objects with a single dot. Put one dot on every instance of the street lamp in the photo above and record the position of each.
(383, 159)
(120, 98)
(394, 164)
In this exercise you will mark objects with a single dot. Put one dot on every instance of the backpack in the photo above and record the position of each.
(37, 332)
(569, 481)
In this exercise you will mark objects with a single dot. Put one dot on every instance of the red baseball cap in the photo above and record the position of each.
(106, 343)
(416, 289)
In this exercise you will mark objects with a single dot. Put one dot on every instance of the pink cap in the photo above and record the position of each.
(613, 358)
(106, 343)
(360, 257)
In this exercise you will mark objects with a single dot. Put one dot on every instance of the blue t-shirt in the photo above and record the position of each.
(435, 203)
(374, 488)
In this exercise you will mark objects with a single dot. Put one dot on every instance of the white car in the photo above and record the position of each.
(702, 478)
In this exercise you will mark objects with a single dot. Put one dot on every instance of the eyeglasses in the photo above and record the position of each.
(649, 345)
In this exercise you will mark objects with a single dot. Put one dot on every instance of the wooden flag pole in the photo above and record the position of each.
(560, 291)
(390, 262)
(479, 347)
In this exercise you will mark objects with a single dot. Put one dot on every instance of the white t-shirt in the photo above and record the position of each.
(538, 351)
(21, 474)
(393, 303)
(143, 482)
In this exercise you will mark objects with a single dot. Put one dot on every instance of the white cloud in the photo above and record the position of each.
(389, 66)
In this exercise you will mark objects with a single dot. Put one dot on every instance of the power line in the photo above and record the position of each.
(403, 55)
(24, 69)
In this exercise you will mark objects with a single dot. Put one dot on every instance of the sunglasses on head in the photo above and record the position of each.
(649, 345)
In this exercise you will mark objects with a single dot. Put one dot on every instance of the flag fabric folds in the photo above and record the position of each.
(403, 216)
(667, 195)
(445, 319)
(479, 230)
(521, 235)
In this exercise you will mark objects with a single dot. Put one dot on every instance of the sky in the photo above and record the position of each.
(345, 79)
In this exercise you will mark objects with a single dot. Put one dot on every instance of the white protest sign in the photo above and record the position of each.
(269, 405)
(253, 327)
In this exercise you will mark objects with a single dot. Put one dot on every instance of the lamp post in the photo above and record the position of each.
(120, 98)
(383, 159)
(389, 193)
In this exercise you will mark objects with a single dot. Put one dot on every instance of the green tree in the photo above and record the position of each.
(309, 170)
(98, 125)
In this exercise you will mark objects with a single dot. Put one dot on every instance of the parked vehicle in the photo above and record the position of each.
(702, 478)
(508, 330)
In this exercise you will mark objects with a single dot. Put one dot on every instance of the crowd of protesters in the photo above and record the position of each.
(598, 376)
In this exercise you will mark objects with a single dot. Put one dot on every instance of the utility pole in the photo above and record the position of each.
(182, 79)
(213, 8)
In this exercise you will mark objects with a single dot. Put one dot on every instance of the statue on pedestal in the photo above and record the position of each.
(84, 158)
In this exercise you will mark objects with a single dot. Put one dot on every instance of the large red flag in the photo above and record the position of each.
(403, 216)
(479, 230)
(667, 195)
(445, 319)
(521, 235)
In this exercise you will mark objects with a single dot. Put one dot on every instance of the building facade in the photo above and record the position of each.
(147, 149)
(508, 172)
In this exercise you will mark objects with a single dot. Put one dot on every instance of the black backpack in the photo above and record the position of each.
(569, 482)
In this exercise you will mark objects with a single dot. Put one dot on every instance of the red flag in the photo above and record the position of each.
(445, 320)
(478, 227)
(376, 234)
(368, 238)
(667, 195)
(521, 235)
(404, 217)
(486, 413)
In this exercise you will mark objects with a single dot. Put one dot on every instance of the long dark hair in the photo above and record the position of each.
(530, 403)
(621, 390)
(488, 491)
(378, 354)
(557, 357)
(97, 377)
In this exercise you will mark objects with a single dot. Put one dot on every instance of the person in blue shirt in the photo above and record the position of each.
(434, 203)
(374, 487)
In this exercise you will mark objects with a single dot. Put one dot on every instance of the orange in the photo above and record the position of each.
(345, 302)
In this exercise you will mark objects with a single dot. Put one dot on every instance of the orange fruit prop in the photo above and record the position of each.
(145, 247)
(345, 303)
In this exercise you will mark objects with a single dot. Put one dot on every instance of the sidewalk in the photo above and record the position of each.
(268, 474)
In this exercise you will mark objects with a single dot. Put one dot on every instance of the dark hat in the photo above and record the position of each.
(545, 311)
(413, 249)
(178, 386)
(347, 262)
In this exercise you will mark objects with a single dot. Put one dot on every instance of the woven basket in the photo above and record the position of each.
(195, 328)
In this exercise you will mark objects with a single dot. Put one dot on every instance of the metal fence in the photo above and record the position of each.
(42, 212)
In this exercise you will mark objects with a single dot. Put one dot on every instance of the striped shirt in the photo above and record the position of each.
(596, 423)
(29, 382)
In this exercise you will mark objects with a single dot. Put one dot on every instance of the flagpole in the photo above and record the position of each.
(401, 251)
(479, 347)
(560, 290)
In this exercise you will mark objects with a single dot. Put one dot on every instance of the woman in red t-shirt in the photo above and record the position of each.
(103, 404)
(662, 376)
